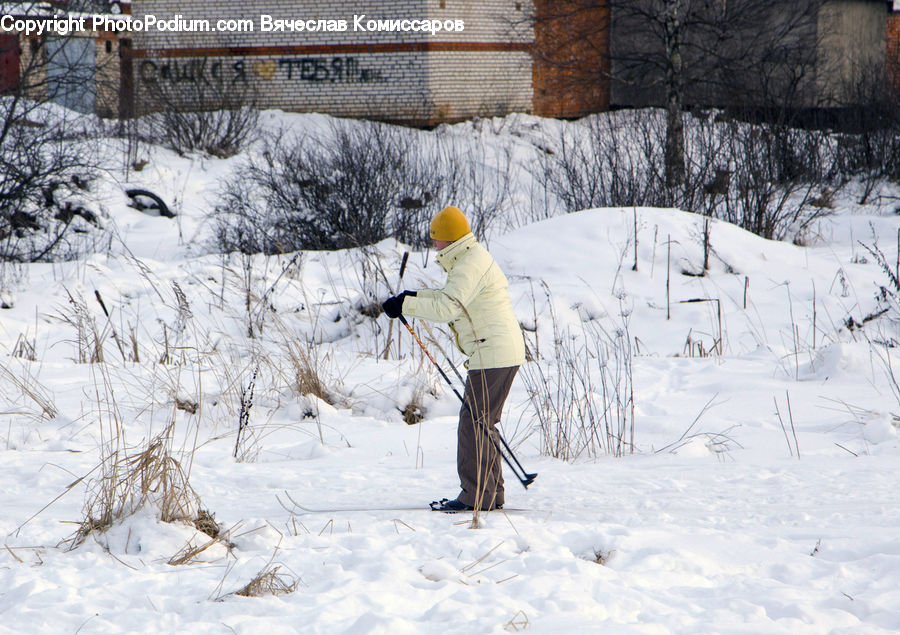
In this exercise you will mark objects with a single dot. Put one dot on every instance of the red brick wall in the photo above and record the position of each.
(9, 62)
(893, 52)
(570, 75)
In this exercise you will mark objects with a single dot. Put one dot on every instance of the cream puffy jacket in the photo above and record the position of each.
(475, 303)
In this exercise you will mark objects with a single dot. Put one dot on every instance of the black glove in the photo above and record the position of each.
(393, 306)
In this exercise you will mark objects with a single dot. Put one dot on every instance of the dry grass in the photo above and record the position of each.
(602, 557)
(31, 388)
(242, 447)
(131, 480)
(186, 405)
(189, 553)
(412, 413)
(307, 368)
(519, 622)
(206, 522)
(582, 400)
(24, 348)
(88, 338)
(269, 581)
(307, 380)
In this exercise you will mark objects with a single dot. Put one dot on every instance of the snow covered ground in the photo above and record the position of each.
(761, 496)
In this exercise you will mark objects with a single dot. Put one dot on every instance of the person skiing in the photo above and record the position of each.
(475, 302)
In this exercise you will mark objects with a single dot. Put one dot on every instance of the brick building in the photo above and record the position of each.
(800, 54)
(892, 40)
(80, 69)
(410, 76)
(547, 57)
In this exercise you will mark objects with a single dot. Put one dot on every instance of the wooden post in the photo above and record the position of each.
(668, 274)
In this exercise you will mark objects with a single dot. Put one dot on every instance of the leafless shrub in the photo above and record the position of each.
(760, 176)
(868, 143)
(46, 169)
(316, 192)
(353, 185)
(475, 182)
(886, 317)
(613, 161)
(774, 172)
(197, 110)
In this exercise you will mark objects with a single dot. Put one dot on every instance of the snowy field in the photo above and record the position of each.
(761, 495)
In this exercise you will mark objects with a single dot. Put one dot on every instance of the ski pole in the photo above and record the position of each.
(387, 346)
(463, 382)
(526, 479)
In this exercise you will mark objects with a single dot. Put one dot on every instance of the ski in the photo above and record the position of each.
(502, 510)
(300, 510)
(437, 506)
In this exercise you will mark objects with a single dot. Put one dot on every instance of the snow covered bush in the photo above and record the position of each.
(758, 176)
(45, 173)
(199, 112)
(316, 191)
(356, 184)
(616, 160)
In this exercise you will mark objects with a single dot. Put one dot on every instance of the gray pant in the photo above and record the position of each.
(477, 460)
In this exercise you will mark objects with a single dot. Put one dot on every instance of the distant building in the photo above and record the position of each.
(293, 55)
(397, 74)
(80, 69)
(892, 41)
(831, 54)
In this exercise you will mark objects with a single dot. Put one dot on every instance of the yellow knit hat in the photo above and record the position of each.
(449, 224)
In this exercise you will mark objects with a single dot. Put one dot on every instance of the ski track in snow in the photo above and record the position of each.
(714, 524)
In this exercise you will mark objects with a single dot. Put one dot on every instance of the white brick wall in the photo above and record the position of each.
(398, 85)
(487, 21)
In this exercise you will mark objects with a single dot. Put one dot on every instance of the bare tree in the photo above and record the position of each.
(45, 165)
(683, 53)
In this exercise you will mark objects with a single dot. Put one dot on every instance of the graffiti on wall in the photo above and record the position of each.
(192, 71)
(334, 70)
(343, 70)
